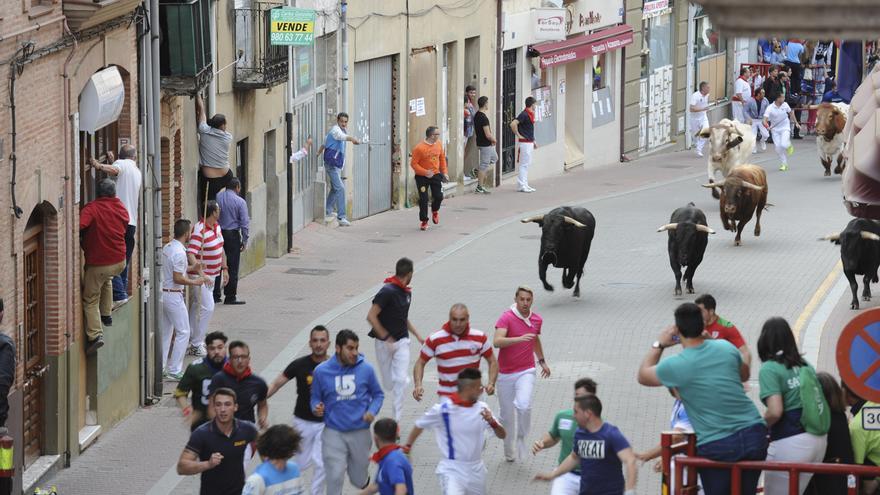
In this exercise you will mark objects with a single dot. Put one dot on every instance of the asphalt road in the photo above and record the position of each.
(626, 299)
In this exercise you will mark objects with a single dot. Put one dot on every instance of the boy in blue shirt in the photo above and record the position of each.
(395, 472)
(277, 474)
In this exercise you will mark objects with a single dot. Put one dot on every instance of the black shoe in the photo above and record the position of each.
(107, 321)
(797, 136)
(92, 346)
(232, 300)
(218, 300)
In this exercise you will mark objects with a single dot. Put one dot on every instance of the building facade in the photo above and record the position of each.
(72, 95)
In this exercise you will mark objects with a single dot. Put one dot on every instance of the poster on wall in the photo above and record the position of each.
(660, 106)
(543, 98)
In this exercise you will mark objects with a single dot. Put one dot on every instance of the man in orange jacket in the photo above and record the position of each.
(429, 164)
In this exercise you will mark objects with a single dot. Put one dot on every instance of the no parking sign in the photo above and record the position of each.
(858, 355)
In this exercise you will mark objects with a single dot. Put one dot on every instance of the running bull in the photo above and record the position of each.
(566, 235)
(730, 144)
(830, 122)
(860, 255)
(743, 193)
(688, 237)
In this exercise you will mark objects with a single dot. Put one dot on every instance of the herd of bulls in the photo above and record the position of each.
(567, 232)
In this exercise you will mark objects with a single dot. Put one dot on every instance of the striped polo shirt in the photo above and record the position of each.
(455, 353)
(207, 246)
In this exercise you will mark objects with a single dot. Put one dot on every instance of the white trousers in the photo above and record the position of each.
(174, 322)
(461, 478)
(697, 125)
(201, 309)
(515, 408)
(805, 447)
(393, 358)
(781, 142)
(758, 128)
(525, 159)
(567, 484)
(738, 112)
(310, 452)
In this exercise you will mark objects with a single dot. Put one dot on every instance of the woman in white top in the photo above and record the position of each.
(778, 119)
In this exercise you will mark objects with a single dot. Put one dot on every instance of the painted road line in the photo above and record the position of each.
(812, 340)
(816, 300)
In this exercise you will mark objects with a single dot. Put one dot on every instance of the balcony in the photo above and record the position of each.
(83, 14)
(259, 65)
(185, 49)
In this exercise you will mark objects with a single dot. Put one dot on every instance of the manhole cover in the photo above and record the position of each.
(624, 285)
(317, 272)
(378, 241)
(530, 236)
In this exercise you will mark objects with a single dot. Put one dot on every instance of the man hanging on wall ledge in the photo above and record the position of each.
(214, 141)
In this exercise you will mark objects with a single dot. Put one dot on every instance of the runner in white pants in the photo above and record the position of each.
(778, 119)
(699, 104)
(389, 317)
(309, 425)
(460, 423)
(562, 432)
(517, 334)
(524, 129)
(205, 249)
(175, 321)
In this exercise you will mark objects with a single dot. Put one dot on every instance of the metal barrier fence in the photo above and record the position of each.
(685, 459)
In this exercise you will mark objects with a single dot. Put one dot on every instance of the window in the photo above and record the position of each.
(656, 43)
(269, 155)
(241, 169)
(304, 69)
(708, 40)
(600, 73)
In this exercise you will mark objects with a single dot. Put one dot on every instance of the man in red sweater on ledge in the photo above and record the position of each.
(102, 225)
(429, 163)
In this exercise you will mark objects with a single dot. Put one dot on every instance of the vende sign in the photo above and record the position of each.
(586, 50)
(549, 24)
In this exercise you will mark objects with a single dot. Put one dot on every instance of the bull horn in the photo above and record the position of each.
(752, 186)
(703, 228)
(869, 236)
(715, 184)
(668, 226)
(536, 218)
(573, 222)
(831, 237)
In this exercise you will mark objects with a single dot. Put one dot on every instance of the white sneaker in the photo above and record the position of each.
(699, 153)
(763, 145)
(344, 223)
(754, 151)
(523, 190)
(531, 189)
(200, 350)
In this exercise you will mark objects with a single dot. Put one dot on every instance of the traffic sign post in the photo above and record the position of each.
(292, 27)
(858, 355)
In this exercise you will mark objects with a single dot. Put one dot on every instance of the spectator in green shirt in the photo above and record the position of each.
(197, 378)
(564, 426)
(781, 393)
(865, 443)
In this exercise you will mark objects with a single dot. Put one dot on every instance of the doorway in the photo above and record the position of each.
(307, 122)
(34, 345)
(372, 121)
(508, 106)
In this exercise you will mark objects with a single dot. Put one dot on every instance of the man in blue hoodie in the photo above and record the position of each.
(346, 392)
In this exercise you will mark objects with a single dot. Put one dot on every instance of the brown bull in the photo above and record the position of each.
(830, 122)
(743, 194)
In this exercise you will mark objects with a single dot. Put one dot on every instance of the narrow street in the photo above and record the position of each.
(478, 255)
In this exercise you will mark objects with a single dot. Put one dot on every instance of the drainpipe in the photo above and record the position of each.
(69, 246)
(499, 88)
(156, 245)
(288, 147)
(212, 85)
(622, 88)
(689, 70)
(343, 36)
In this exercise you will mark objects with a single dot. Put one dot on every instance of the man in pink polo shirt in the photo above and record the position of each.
(517, 338)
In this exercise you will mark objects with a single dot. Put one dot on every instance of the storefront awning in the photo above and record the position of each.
(583, 46)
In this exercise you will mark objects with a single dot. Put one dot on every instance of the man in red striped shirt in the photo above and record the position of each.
(456, 347)
(205, 250)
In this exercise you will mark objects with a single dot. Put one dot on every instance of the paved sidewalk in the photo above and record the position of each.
(336, 270)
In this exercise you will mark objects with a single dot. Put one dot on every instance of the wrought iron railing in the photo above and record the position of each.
(259, 64)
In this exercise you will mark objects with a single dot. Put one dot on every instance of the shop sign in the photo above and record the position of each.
(653, 8)
(549, 24)
(589, 15)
